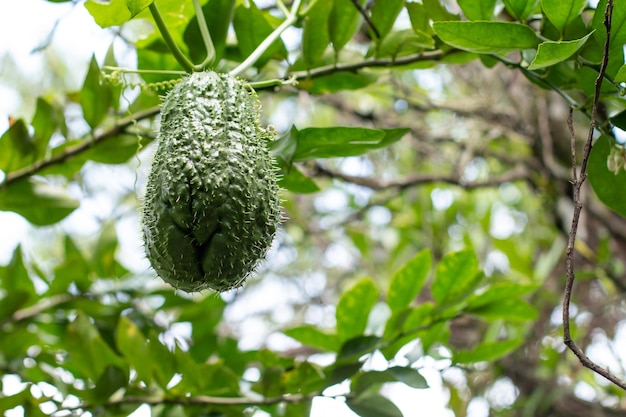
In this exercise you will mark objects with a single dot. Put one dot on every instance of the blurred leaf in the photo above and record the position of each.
(505, 309)
(46, 121)
(354, 307)
(499, 292)
(38, 202)
(604, 182)
(477, 9)
(103, 259)
(112, 13)
(74, 269)
(252, 26)
(551, 53)
(133, 346)
(418, 17)
(95, 97)
(371, 404)
(218, 15)
(562, 12)
(110, 381)
(409, 376)
(343, 23)
(137, 6)
(437, 11)
(89, 354)
(520, 9)
(162, 360)
(487, 37)
(384, 14)
(315, 32)
(621, 75)
(17, 148)
(354, 348)
(404, 42)
(457, 274)
(314, 337)
(487, 352)
(408, 281)
(16, 285)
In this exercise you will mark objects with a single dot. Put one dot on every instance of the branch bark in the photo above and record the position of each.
(578, 178)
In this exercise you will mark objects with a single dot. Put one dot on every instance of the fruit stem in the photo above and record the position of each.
(291, 18)
(206, 38)
(169, 41)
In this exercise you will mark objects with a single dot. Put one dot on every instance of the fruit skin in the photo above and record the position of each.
(212, 206)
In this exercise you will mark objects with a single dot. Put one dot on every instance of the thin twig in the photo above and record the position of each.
(518, 174)
(579, 178)
(366, 17)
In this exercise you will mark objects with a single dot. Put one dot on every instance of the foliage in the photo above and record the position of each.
(431, 274)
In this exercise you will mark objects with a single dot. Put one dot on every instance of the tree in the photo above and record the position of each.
(434, 220)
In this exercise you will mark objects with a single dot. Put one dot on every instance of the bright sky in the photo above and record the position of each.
(24, 25)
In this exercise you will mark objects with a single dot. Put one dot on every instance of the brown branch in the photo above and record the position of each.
(72, 151)
(370, 63)
(199, 400)
(366, 17)
(579, 178)
(518, 174)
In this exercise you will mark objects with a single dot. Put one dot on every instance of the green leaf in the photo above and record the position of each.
(486, 37)
(17, 286)
(343, 23)
(404, 42)
(137, 6)
(95, 97)
(436, 11)
(46, 121)
(499, 292)
(162, 361)
(487, 352)
(384, 14)
(354, 348)
(520, 9)
(409, 376)
(89, 354)
(112, 13)
(338, 81)
(38, 202)
(294, 180)
(327, 142)
(477, 9)
(418, 17)
(607, 185)
(218, 15)
(621, 75)
(110, 381)
(17, 148)
(515, 310)
(133, 346)
(314, 337)
(562, 12)
(354, 307)
(456, 276)
(371, 404)
(252, 26)
(550, 53)
(408, 281)
(315, 36)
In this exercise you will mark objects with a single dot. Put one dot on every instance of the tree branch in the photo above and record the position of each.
(579, 178)
(518, 174)
(86, 144)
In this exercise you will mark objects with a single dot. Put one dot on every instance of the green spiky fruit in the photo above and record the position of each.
(212, 207)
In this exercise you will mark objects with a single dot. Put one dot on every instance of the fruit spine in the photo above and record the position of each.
(212, 207)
